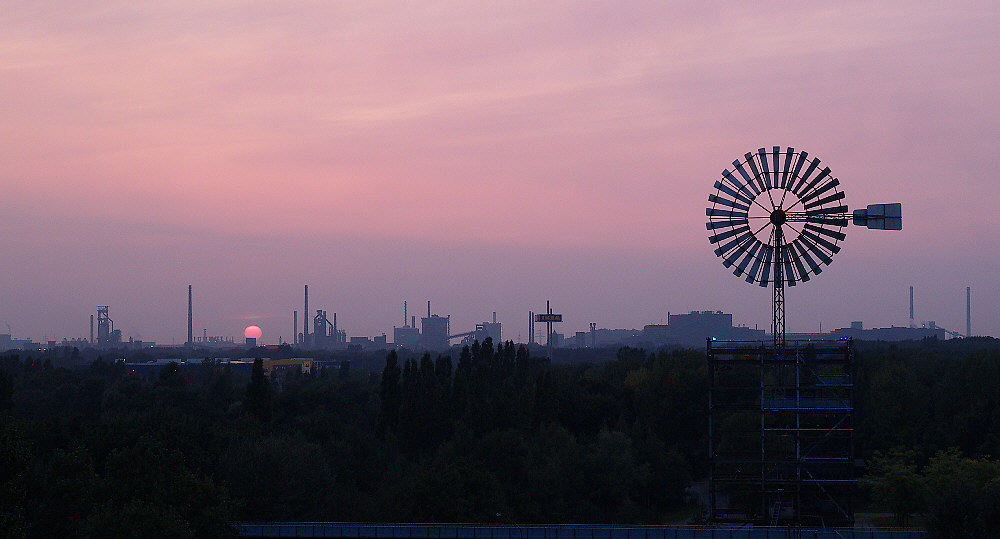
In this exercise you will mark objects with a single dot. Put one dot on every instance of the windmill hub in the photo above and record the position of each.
(778, 217)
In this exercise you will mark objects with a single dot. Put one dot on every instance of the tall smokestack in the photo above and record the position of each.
(295, 327)
(912, 323)
(190, 329)
(494, 317)
(305, 317)
(91, 329)
(428, 308)
(413, 321)
(968, 311)
(531, 327)
(404, 313)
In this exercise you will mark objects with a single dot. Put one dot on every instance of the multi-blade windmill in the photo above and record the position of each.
(779, 217)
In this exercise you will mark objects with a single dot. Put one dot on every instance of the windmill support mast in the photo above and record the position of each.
(778, 319)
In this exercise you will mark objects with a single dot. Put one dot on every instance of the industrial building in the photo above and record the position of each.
(9, 343)
(107, 335)
(407, 336)
(693, 328)
(486, 330)
(893, 333)
(682, 329)
(325, 333)
(435, 330)
(377, 342)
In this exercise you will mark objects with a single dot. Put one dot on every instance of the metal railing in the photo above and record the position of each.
(561, 531)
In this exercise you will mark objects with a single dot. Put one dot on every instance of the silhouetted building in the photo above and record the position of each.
(325, 334)
(107, 335)
(693, 328)
(435, 332)
(493, 330)
(892, 333)
(701, 324)
(407, 336)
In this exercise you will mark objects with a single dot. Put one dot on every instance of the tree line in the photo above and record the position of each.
(499, 432)
(494, 435)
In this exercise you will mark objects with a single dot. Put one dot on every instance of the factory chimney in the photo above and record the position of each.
(531, 327)
(428, 308)
(404, 313)
(912, 324)
(91, 329)
(305, 318)
(413, 322)
(494, 317)
(968, 311)
(295, 327)
(190, 331)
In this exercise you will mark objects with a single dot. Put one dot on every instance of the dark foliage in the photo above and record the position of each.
(100, 451)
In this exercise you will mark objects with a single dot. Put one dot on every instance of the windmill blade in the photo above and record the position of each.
(731, 258)
(839, 236)
(735, 182)
(728, 234)
(826, 187)
(831, 247)
(756, 172)
(787, 261)
(766, 271)
(816, 268)
(746, 177)
(750, 255)
(735, 194)
(820, 254)
(775, 154)
(784, 169)
(755, 268)
(839, 195)
(797, 261)
(827, 211)
(727, 202)
(765, 173)
(821, 177)
(712, 225)
(826, 221)
(805, 177)
(713, 212)
(733, 243)
(803, 156)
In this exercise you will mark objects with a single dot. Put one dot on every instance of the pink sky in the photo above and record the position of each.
(485, 156)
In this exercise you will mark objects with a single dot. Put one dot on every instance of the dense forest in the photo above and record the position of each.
(492, 435)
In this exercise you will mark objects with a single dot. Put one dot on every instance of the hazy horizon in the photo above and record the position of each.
(485, 157)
